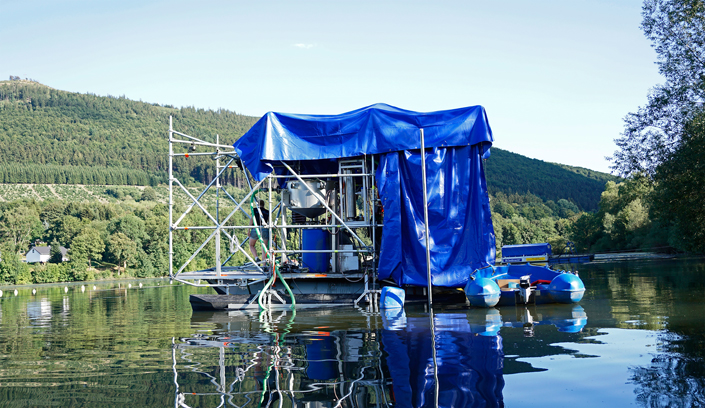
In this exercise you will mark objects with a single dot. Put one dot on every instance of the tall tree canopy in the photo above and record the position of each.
(680, 191)
(664, 140)
(676, 29)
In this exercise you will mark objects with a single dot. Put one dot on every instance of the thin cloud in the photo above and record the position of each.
(304, 46)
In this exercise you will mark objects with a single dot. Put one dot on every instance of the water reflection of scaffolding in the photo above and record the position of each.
(364, 358)
(312, 368)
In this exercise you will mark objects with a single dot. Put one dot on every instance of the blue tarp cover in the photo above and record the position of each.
(459, 214)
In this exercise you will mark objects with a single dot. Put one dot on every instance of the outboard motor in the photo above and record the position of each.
(525, 288)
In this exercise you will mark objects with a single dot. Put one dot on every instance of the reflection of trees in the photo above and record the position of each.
(88, 349)
(671, 380)
(676, 376)
(663, 296)
(645, 291)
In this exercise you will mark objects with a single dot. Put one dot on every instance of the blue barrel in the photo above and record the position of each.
(316, 240)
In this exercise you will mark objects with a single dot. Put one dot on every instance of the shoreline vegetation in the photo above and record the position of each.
(121, 232)
(110, 232)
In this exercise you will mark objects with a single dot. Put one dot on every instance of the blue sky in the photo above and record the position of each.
(556, 77)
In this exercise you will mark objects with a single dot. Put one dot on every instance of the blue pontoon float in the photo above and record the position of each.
(354, 206)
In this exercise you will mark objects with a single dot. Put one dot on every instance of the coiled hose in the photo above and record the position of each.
(275, 261)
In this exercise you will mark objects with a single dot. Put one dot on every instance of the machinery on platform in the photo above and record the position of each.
(320, 233)
(338, 206)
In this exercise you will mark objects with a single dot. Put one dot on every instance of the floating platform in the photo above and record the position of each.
(239, 289)
(243, 302)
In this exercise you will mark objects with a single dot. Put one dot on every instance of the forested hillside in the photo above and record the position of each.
(52, 136)
(57, 137)
(510, 173)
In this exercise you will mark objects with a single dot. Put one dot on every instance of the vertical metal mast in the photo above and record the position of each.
(425, 218)
(217, 207)
(171, 199)
(428, 268)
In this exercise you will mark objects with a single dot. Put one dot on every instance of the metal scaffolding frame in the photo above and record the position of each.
(348, 206)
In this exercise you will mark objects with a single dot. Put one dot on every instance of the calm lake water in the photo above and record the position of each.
(636, 339)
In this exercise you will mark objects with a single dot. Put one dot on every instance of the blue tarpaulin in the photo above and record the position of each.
(459, 214)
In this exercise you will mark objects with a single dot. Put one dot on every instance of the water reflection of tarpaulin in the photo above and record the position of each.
(469, 359)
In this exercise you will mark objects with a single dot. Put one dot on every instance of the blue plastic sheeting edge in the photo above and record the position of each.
(374, 129)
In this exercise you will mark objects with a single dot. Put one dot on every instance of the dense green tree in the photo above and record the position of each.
(50, 273)
(65, 229)
(145, 268)
(78, 270)
(663, 140)
(87, 245)
(566, 209)
(503, 208)
(131, 226)
(122, 249)
(680, 196)
(623, 220)
(12, 269)
(19, 226)
(148, 194)
(55, 255)
(52, 212)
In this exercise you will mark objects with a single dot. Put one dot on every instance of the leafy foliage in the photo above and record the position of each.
(624, 221)
(88, 245)
(128, 236)
(676, 29)
(525, 219)
(664, 140)
(19, 225)
(148, 194)
(679, 198)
